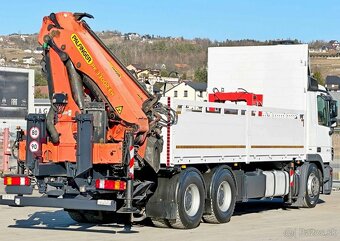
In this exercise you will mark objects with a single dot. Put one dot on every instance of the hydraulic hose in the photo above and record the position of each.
(50, 125)
(76, 85)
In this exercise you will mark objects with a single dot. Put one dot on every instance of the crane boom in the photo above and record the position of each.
(84, 57)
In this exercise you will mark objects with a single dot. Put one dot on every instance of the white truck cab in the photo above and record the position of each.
(321, 112)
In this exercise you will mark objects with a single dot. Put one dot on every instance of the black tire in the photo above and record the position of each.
(160, 223)
(99, 217)
(77, 216)
(190, 200)
(222, 193)
(94, 217)
(313, 185)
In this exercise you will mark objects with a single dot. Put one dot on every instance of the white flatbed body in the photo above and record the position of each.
(232, 134)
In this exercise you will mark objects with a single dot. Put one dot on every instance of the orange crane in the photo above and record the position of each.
(78, 66)
(102, 122)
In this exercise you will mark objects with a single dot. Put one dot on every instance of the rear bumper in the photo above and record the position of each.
(67, 203)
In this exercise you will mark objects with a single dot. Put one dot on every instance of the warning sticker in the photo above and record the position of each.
(119, 109)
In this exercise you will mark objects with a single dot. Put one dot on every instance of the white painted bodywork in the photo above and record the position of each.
(278, 72)
(285, 128)
(317, 135)
(235, 134)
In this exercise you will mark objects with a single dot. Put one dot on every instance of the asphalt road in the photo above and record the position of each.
(257, 220)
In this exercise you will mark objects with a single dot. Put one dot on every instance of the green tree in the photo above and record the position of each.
(184, 76)
(40, 80)
(201, 75)
(164, 73)
(318, 76)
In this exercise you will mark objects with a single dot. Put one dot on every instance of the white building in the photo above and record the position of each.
(189, 91)
(16, 96)
(42, 106)
(38, 51)
(28, 60)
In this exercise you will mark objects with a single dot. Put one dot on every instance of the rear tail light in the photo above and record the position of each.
(16, 181)
(117, 185)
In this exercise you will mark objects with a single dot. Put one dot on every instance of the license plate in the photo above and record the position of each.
(8, 197)
(104, 202)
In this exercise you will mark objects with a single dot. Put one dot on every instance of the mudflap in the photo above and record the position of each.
(327, 180)
(162, 204)
(301, 172)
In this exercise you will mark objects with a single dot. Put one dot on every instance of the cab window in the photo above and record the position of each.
(323, 111)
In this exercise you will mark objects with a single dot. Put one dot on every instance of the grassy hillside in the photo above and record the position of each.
(184, 56)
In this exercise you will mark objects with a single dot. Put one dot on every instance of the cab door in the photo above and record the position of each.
(323, 130)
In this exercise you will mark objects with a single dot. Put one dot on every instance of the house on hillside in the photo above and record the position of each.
(170, 80)
(160, 66)
(15, 60)
(143, 74)
(38, 50)
(28, 60)
(181, 66)
(334, 44)
(2, 61)
(135, 67)
(131, 36)
(188, 90)
(332, 83)
(155, 72)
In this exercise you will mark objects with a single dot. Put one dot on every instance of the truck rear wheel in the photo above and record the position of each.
(160, 223)
(96, 217)
(77, 216)
(223, 197)
(190, 200)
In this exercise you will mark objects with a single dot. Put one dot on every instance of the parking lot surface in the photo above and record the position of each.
(256, 220)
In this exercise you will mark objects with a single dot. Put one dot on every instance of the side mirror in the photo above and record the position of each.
(334, 124)
(333, 109)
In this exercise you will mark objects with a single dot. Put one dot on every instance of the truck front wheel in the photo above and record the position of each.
(309, 186)
(312, 186)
